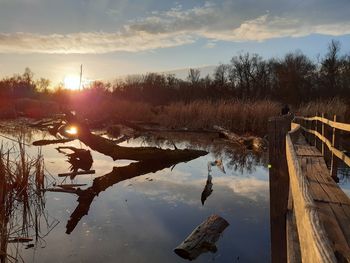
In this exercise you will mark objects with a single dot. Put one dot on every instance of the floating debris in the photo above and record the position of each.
(203, 238)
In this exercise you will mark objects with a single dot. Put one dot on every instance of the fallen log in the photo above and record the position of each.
(76, 173)
(249, 142)
(107, 147)
(70, 186)
(203, 238)
(47, 142)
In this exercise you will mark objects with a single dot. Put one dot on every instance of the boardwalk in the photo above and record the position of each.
(310, 222)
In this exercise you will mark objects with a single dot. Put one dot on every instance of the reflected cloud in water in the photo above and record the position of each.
(139, 212)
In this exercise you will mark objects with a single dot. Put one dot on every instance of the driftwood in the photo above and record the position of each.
(65, 186)
(47, 142)
(203, 238)
(76, 173)
(249, 142)
(107, 147)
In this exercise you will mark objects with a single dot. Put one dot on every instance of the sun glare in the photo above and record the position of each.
(72, 82)
(72, 130)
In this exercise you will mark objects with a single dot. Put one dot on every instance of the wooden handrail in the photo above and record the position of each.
(337, 125)
(342, 156)
(314, 243)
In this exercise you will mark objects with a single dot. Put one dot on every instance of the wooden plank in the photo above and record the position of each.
(306, 150)
(343, 221)
(314, 242)
(293, 251)
(331, 201)
(333, 190)
(317, 192)
(334, 232)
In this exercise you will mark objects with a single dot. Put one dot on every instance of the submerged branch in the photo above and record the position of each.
(47, 142)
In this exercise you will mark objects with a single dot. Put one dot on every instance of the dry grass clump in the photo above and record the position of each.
(21, 202)
(236, 115)
(335, 106)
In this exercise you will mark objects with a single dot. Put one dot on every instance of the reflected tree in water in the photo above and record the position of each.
(235, 157)
(207, 189)
(118, 174)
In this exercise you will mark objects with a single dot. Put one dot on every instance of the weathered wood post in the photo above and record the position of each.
(315, 129)
(279, 186)
(334, 160)
(322, 143)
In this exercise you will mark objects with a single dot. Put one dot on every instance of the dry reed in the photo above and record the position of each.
(236, 115)
(334, 106)
(21, 202)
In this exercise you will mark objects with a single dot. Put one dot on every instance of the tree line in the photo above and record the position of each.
(293, 79)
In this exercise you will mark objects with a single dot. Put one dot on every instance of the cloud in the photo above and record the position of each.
(227, 21)
(88, 43)
(267, 27)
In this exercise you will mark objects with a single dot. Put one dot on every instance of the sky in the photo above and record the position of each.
(114, 38)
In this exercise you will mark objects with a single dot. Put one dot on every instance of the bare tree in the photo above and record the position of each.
(193, 75)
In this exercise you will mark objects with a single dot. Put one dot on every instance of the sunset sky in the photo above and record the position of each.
(113, 38)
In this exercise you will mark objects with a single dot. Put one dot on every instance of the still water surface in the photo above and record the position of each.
(142, 219)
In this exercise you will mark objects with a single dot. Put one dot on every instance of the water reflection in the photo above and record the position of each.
(237, 158)
(155, 205)
(207, 189)
(22, 205)
(78, 159)
(118, 174)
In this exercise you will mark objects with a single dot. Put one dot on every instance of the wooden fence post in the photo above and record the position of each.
(322, 143)
(315, 129)
(334, 160)
(279, 186)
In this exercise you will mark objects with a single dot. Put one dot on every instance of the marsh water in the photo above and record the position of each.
(143, 218)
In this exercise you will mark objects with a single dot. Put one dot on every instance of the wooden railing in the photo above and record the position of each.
(311, 126)
(333, 124)
(289, 188)
(314, 243)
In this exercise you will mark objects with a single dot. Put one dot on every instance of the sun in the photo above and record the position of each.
(72, 82)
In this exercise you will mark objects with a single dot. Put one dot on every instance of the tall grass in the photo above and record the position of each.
(334, 106)
(236, 115)
(21, 202)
